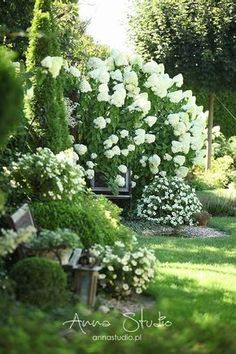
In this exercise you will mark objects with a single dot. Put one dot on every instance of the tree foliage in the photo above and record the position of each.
(15, 20)
(11, 96)
(46, 110)
(195, 37)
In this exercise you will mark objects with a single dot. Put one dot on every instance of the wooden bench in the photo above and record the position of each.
(99, 187)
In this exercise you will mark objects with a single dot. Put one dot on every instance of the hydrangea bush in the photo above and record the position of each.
(125, 270)
(46, 176)
(169, 201)
(132, 115)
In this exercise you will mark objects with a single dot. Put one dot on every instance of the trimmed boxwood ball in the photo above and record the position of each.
(39, 281)
(94, 219)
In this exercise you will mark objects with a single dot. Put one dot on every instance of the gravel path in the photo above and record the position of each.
(187, 231)
(148, 228)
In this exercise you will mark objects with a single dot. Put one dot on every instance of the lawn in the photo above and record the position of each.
(196, 286)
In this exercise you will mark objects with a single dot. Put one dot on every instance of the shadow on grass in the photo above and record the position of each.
(185, 299)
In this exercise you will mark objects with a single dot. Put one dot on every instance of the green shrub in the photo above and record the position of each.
(218, 204)
(168, 201)
(45, 176)
(10, 240)
(39, 281)
(217, 177)
(126, 270)
(223, 147)
(45, 110)
(11, 96)
(95, 220)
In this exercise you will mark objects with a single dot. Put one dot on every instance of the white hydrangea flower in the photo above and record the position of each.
(100, 123)
(120, 181)
(94, 156)
(131, 147)
(85, 86)
(117, 75)
(167, 157)
(179, 159)
(100, 75)
(150, 120)
(116, 150)
(154, 163)
(122, 168)
(178, 80)
(109, 154)
(120, 58)
(80, 149)
(182, 172)
(124, 133)
(75, 72)
(175, 96)
(152, 67)
(114, 139)
(53, 64)
(124, 152)
(90, 173)
(90, 164)
(150, 138)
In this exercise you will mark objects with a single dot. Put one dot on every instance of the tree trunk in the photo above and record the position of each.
(210, 126)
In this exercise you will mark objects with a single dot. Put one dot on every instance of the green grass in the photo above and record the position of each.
(196, 281)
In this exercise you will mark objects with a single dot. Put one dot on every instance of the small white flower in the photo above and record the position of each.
(150, 120)
(74, 71)
(85, 86)
(120, 181)
(100, 123)
(80, 149)
(124, 133)
(122, 168)
(125, 286)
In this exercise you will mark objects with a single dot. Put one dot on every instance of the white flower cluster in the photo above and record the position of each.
(125, 270)
(43, 175)
(10, 239)
(169, 201)
(135, 112)
(53, 64)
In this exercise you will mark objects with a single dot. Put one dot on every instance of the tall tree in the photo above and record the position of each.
(195, 37)
(46, 110)
(15, 20)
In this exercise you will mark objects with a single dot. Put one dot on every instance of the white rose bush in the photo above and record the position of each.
(169, 201)
(46, 176)
(131, 113)
(125, 271)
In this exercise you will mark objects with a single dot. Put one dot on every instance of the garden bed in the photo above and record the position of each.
(152, 229)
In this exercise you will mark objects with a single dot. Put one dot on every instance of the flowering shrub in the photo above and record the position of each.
(169, 201)
(44, 175)
(125, 270)
(10, 239)
(60, 238)
(132, 115)
(217, 177)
